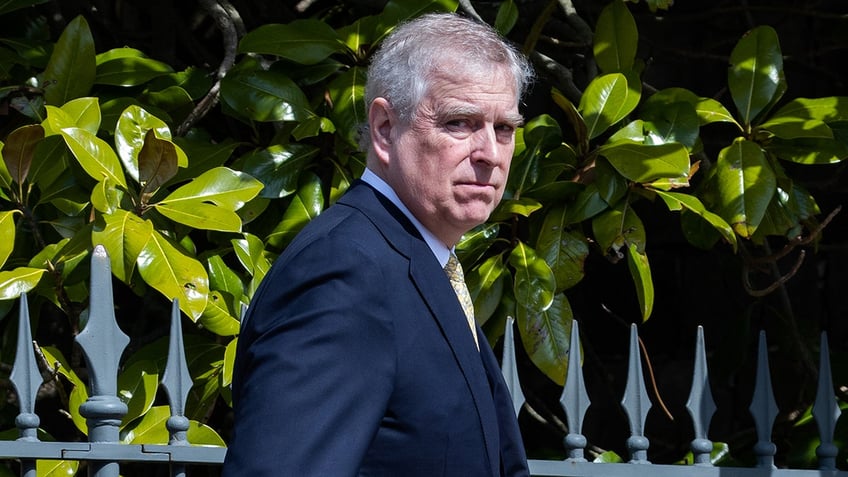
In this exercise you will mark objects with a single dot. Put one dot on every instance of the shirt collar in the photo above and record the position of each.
(440, 250)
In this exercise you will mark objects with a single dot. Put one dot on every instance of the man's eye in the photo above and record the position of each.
(458, 124)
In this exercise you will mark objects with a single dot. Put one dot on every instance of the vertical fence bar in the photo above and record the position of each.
(177, 383)
(636, 403)
(826, 410)
(574, 399)
(763, 408)
(509, 367)
(26, 379)
(700, 404)
(102, 342)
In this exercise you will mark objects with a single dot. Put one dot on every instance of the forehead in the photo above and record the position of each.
(490, 87)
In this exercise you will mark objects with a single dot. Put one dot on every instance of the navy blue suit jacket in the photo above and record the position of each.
(355, 358)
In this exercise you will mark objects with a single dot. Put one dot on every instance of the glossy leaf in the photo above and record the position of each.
(251, 254)
(157, 164)
(476, 242)
(587, 204)
(809, 150)
(645, 163)
(7, 231)
(278, 167)
(676, 122)
(605, 102)
(546, 336)
(829, 109)
(84, 113)
(56, 468)
(708, 110)
(616, 38)
(229, 362)
(130, 136)
(616, 229)
(264, 96)
(127, 67)
(534, 283)
(124, 235)
(137, 386)
(209, 202)
(151, 429)
(575, 118)
(793, 128)
(755, 74)
(79, 394)
(507, 17)
(564, 251)
(174, 274)
(70, 72)
(347, 92)
(18, 150)
(485, 285)
(745, 184)
(640, 271)
(679, 201)
(17, 281)
(305, 206)
(94, 155)
(222, 277)
(301, 41)
(217, 318)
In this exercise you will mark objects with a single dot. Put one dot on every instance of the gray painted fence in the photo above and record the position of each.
(103, 343)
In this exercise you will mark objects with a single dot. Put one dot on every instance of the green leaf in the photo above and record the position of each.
(128, 67)
(486, 285)
(512, 207)
(94, 155)
(616, 38)
(71, 69)
(56, 468)
(676, 122)
(278, 167)
(605, 102)
(17, 281)
(746, 184)
(640, 270)
(217, 318)
(7, 231)
(151, 429)
(476, 242)
(131, 132)
(7, 6)
(229, 362)
(18, 150)
(829, 109)
(222, 277)
(809, 150)
(60, 365)
(84, 113)
(251, 254)
(174, 274)
(507, 17)
(264, 96)
(708, 110)
(301, 41)
(563, 250)
(793, 128)
(534, 283)
(124, 235)
(305, 206)
(546, 336)
(209, 202)
(137, 386)
(587, 204)
(575, 118)
(618, 228)
(756, 72)
(157, 164)
(347, 92)
(646, 163)
(678, 201)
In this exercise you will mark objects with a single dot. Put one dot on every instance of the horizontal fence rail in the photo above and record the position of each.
(103, 342)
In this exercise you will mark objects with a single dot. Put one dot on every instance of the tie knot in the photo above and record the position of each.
(453, 269)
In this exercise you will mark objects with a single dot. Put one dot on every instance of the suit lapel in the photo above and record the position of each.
(436, 291)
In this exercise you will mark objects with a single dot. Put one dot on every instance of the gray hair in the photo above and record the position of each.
(404, 66)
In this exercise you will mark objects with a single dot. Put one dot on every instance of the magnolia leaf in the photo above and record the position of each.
(756, 72)
(809, 150)
(347, 92)
(222, 277)
(18, 150)
(616, 38)
(131, 132)
(829, 109)
(229, 362)
(137, 386)
(264, 96)
(17, 281)
(157, 164)
(56, 468)
(605, 102)
(71, 69)
(151, 429)
(793, 128)
(534, 282)
(305, 206)
(278, 167)
(618, 228)
(507, 17)
(646, 163)
(546, 336)
(128, 67)
(7, 231)
(84, 113)
(94, 155)
(746, 184)
(209, 202)
(575, 118)
(124, 235)
(174, 274)
(563, 250)
(105, 197)
(640, 271)
(679, 201)
(217, 318)
(301, 41)
(485, 285)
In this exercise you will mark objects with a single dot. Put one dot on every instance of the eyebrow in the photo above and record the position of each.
(515, 120)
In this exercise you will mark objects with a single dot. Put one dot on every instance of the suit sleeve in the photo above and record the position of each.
(314, 365)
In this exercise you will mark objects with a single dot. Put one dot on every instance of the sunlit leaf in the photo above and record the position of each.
(565, 251)
(124, 235)
(94, 155)
(301, 41)
(305, 206)
(646, 163)
(605, 102)
(278, 167)
(746, 184)
(17, 281)
(174, 274)
(755, 73)
(128, 67)
(7, 231)
(534, 282)
(18, 150)
(679, 201)
(264, 96)
(485, 285)
(347, 92)
(640, 271)
(131, 131)
(70, 72)
(546, 336)
(616, 38)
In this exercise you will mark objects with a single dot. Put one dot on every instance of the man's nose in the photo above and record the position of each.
(485, 145)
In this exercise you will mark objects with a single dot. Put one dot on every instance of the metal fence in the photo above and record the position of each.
(103, 342)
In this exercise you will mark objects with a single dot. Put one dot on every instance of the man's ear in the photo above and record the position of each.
(381, 121)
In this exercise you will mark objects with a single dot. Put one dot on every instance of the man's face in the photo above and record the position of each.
(450, 164)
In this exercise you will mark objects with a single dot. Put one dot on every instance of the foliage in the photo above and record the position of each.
(107, 147)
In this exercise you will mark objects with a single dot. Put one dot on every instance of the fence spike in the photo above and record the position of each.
(509, 367)
(176, 379)
(25, 376)
(574, 399)
(763, 408)
(636, 403)
(826, 410)
(700, 404)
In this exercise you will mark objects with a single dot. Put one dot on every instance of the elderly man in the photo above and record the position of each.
(358, 356)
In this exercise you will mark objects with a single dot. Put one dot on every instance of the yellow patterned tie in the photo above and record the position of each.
(454, 271)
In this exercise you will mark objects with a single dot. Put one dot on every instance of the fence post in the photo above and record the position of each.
(763, 408)
(826, 410)
(27, 379)
(636, 403)
(102, 343)
(177, 383)
(574, 399)
(701, 405)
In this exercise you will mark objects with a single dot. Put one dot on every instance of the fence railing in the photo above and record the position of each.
(103, 342)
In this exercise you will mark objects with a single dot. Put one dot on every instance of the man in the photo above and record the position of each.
(356, 357)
